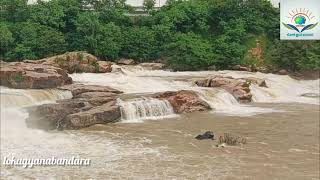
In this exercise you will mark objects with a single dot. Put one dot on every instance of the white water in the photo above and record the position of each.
(137, 110)
(281, 89)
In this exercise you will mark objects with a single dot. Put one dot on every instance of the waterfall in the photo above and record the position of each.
(137, 110)
(11, 98)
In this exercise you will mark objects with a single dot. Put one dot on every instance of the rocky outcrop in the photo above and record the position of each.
(257, 81)
(77, 89)
(239, 88)
(76, 62)
(126, 62)
(283, 72)
(184, 101)
(34, 76)
(241, 68)
(90, 105)
(153, 66)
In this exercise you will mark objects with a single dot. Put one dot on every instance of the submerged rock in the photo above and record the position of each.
(311, 95)
(184, 101)
(228, 139)
(90, 105)
(76, 62)
(257, 81)
(34, 76)
(206, 135)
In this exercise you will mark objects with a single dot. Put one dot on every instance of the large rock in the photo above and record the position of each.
(76, 62)
(257, 81)
(126, 62)
(184, 101)
(153, 66)
(88, 106)
(239, 88)
(241, 68)
(34, 76)
(77, 89)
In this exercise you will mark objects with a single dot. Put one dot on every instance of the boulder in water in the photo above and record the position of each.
(76, 62)
(257, 81)
(34, 76)
(153, 66)
(90, 105)
(283, 72)
(206, 135)
(237, 87)
(184, 101)
(240, 68)
(126, 62)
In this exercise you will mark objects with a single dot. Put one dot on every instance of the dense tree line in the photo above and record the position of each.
(188, 35)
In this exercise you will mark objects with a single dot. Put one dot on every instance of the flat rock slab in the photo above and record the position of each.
(32, 76)
(90, 105)
(77, 89)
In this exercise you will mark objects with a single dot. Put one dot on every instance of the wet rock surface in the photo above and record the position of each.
(239, 88)
(184, 101)
(206, 135)
(89, 105)
(32, 76)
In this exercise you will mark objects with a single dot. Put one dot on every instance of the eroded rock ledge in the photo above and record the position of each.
(90, 105)
(93, 104)
(32, 76)
(239, 88)
(184, 101)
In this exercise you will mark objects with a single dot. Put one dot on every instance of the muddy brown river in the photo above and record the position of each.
(282, 131)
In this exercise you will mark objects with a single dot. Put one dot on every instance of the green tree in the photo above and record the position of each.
(6, 39)
(14, 10)
(190, 52)
(148, 5)
(37, 41)
(139, 43)
(49, 13)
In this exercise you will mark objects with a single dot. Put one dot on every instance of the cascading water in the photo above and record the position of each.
(137, 110)
(15, 98)
(281, 89)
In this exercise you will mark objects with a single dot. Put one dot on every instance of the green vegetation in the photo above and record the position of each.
(187, 35)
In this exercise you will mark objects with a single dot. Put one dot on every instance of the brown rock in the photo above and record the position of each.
(283, 72)
(76, 62)
(33, 76)
(184, 101)
(237, 87)
(257, 81)
(77, 89)
(153, 66)
(240, 68)
(106, 113)
(126, 62)
(89, 105)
